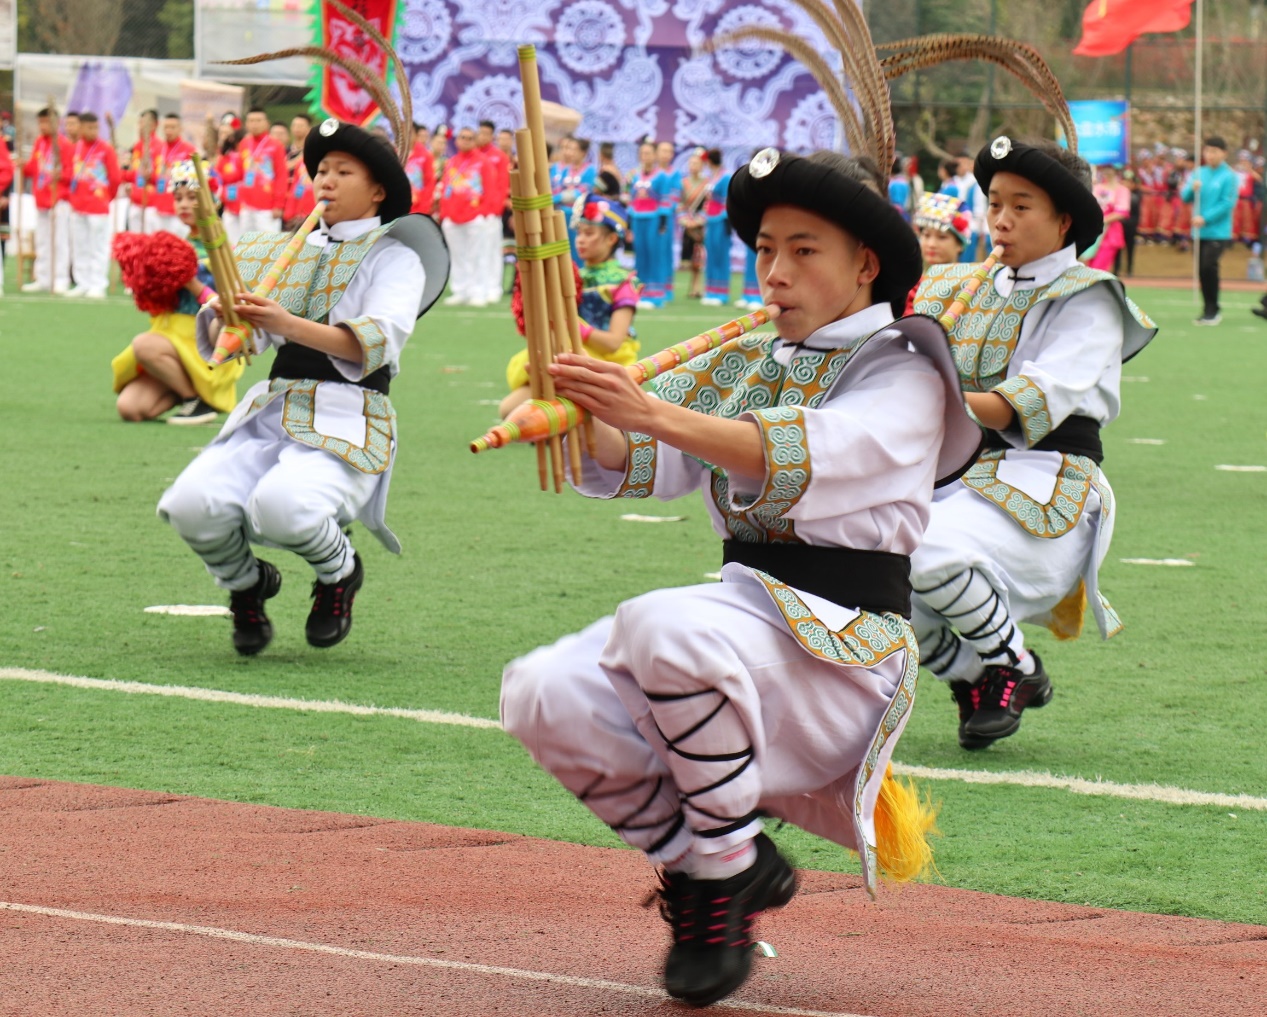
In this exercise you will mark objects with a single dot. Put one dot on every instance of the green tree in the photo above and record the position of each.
(177, 16)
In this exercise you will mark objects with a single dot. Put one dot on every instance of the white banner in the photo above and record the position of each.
(8, 34)
(229, 29)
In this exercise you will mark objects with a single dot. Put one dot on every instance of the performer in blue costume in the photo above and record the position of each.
(669, 192)
(716, 235)
(644, 217)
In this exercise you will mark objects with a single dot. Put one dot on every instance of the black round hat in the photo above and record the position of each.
(779, 178)
(1003, 155)
(377, 153)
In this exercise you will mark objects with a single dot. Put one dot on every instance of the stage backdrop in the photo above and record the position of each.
(632, 67)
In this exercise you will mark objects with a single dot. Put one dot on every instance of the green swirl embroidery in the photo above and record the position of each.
(1054, 518)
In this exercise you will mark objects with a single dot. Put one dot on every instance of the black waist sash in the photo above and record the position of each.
(875, 581)
(1077, 436)
(295, 360)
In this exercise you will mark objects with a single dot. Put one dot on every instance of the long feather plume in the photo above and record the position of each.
(400, 116)
(814, 62)
(361, 73)
(868, 126)
(869, 80)
(1018, 58)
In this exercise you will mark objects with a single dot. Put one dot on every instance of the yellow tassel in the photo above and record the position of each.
(904, 822)
(1066, 617)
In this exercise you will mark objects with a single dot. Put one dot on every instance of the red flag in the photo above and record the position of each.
(341, 97)
(1109, 26)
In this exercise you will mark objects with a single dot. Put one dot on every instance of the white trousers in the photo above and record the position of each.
(1031, 575)
(689, 711)
(91, 238)
(491, 268)
(232, 226)
(52, 246)
(142, 219)
(261, 219)
(261, 486)
(170, 224)
(464, 265)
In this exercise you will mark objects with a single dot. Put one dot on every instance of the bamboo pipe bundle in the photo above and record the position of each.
(538, 419)
(224, 268)
(237, 339)
(551, 322)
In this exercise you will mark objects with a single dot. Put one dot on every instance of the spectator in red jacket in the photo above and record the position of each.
(461, 201)
(49, 170)
(94, 182)
(6, 181)
(300, 199)
(170, 150)
(227, 172)
(496, 191)
(421, 170)
(138, 174)
(264, 179)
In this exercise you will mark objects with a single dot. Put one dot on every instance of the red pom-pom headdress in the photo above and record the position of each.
(154, 268)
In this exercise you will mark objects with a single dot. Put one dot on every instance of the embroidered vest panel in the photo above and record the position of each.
(741, 377)
(316, 280)
(984, 339)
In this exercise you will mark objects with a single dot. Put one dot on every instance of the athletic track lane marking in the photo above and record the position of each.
(211, 932)
(1020, 778)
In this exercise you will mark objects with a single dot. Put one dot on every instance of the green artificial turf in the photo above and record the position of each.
(493, 568)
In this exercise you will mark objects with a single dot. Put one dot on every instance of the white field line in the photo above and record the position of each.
(1020, 778)
(241, 699)
(250, 939)
(1081, 786)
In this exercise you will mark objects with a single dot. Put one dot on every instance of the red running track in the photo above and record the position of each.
(280, 911)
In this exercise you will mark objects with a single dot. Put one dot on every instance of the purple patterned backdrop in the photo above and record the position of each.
(632, 67)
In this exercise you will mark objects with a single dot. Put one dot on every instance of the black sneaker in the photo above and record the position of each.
(252, 631)
(193, 411)
(1005, 693)
(711, 955)
(330, 619)
(968, 698)
(1260, 311)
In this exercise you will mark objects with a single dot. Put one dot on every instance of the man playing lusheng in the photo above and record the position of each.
(311, 449)
(781, 690)
(1039, 352)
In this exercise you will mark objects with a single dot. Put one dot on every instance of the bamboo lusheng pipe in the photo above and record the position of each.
(539, 419)
(224, 269)
(539, 167)
(536, 306)
(527, 223)
(236, 338)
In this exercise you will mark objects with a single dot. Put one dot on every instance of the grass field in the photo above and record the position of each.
(493, 568)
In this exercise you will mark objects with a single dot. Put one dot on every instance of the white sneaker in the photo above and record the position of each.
(477, 302)
(711, 302)
(95, 294)
(648, 305)
(76, 291)
(61, 289)
(34, 287)
(454, 300)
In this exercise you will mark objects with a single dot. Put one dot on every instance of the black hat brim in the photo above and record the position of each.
(1066, 191)
(377, 154)
(422, 235)
(825, 191)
